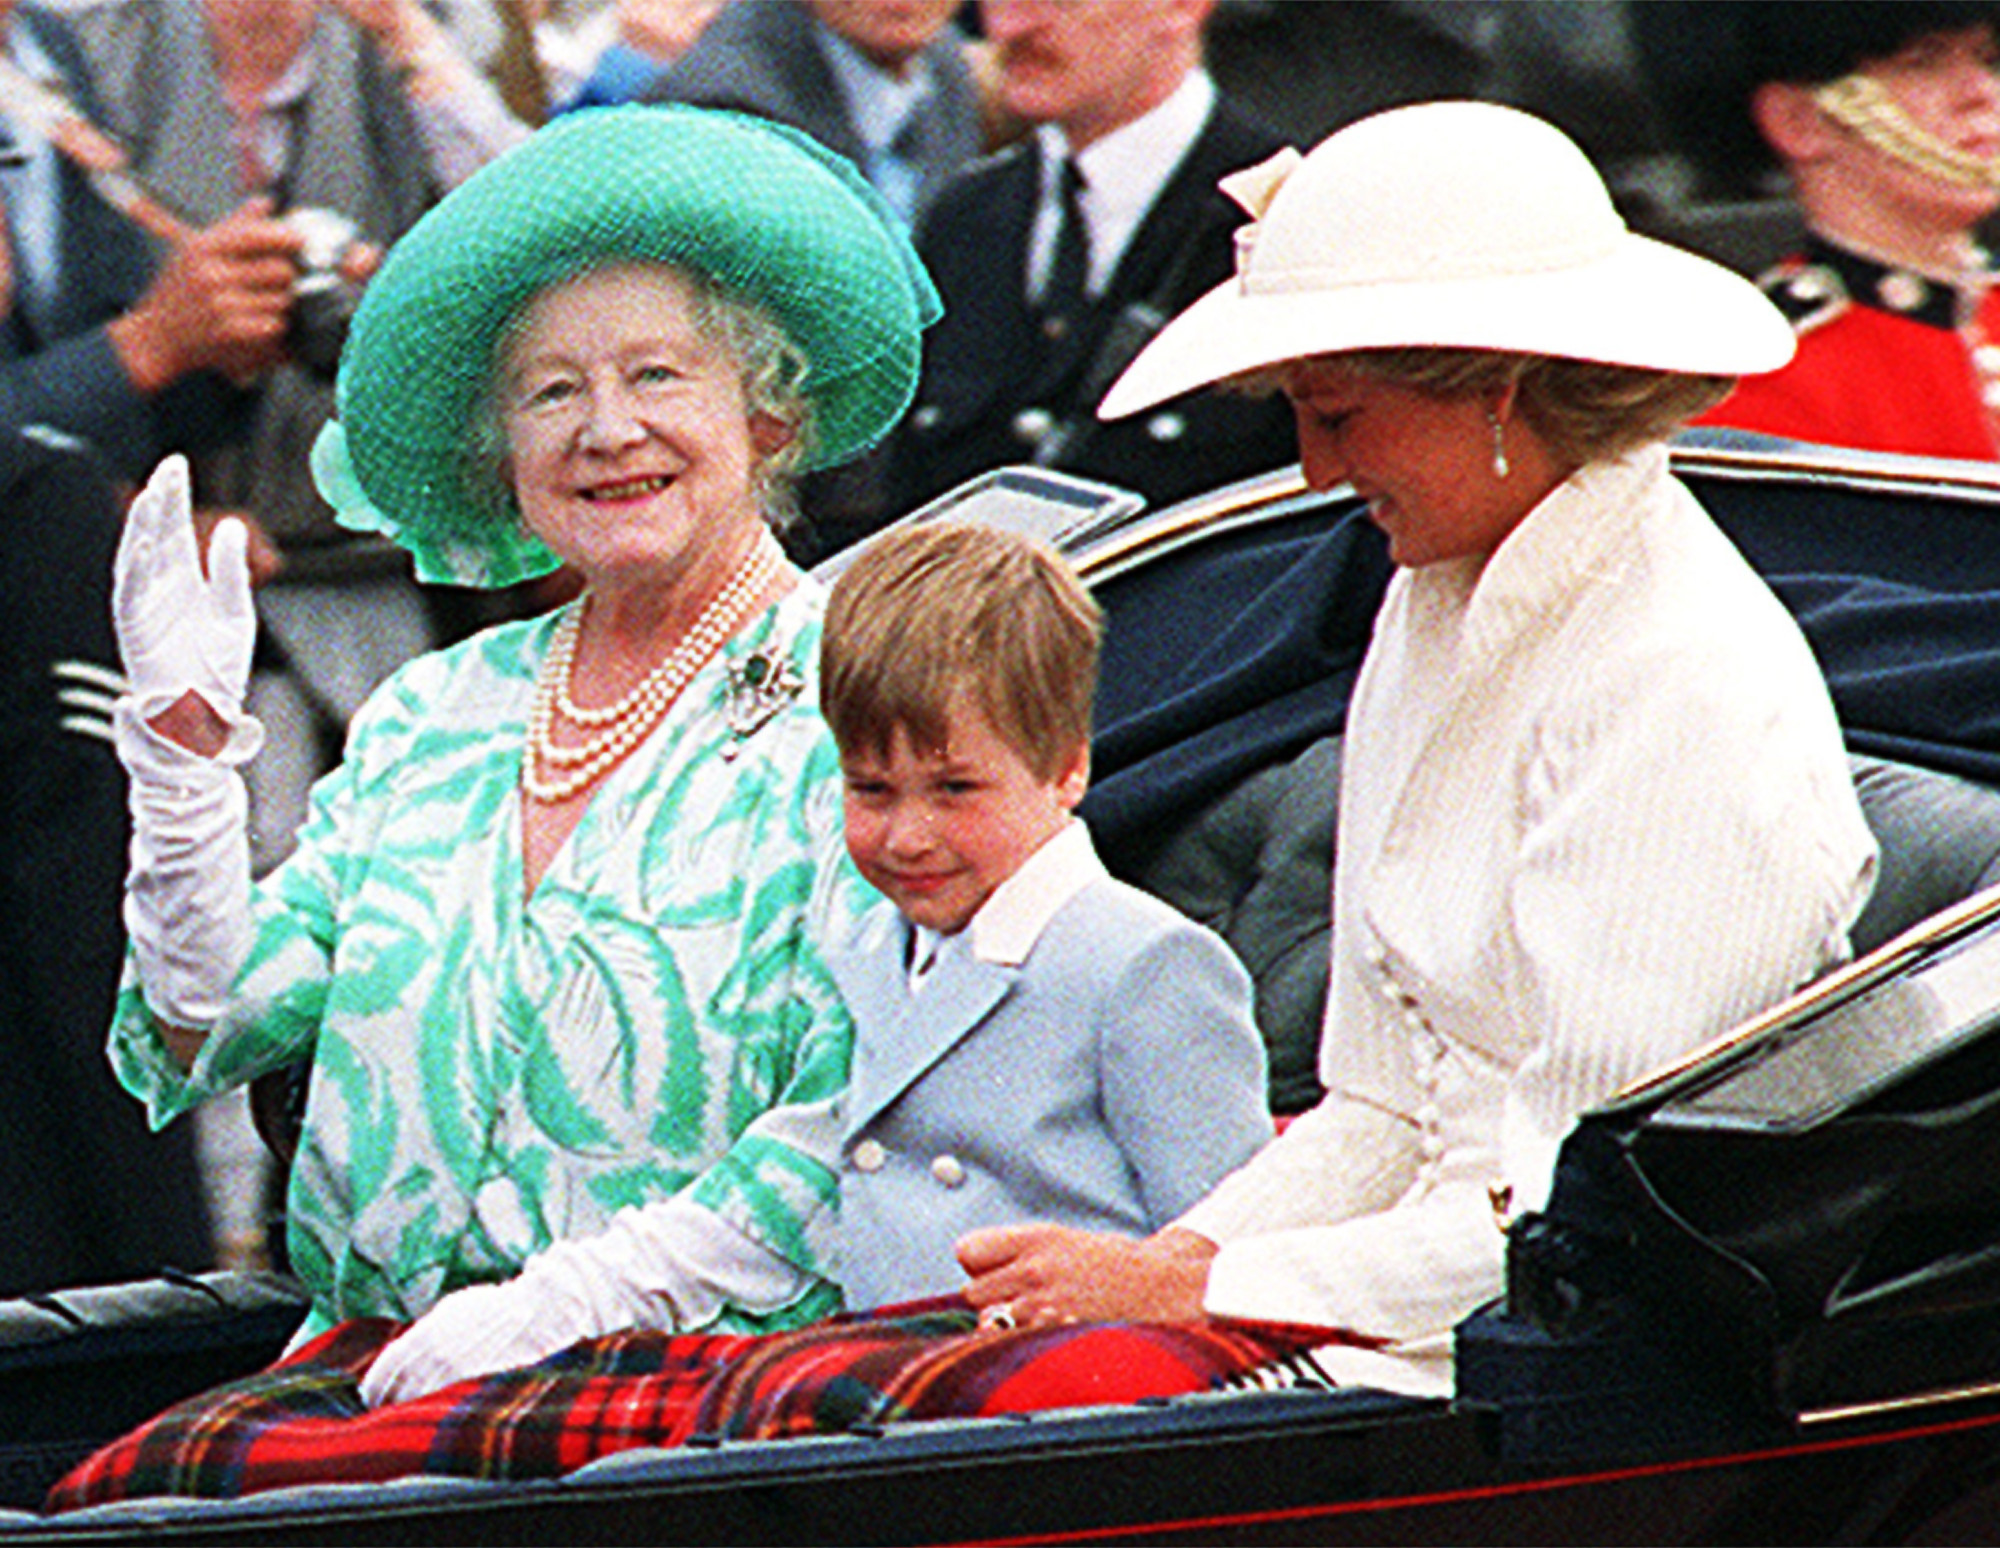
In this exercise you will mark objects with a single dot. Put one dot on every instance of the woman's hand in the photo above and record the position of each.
(185, 640)
(180, 632)
(471, 1332)
(573, 1290)
(1027, 1275)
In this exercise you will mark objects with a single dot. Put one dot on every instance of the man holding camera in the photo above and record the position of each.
(330, 110)
(271, 151)
(101, 339)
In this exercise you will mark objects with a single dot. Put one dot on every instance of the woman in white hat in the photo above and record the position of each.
(1595, 807)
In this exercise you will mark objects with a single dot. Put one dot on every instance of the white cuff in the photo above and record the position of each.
(187, 890)
(147, 754)
(672, 1264)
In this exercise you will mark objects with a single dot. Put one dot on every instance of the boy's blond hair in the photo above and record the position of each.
(928, 614)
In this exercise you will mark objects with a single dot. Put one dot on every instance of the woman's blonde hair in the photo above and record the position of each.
(1584, 410)
(928, 616)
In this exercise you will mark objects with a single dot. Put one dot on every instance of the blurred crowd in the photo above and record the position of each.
(194, 189)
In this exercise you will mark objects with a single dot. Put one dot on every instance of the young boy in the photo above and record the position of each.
(1034, 1040)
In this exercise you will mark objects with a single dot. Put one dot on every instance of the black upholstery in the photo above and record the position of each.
(1940, 840)
(79, 1367)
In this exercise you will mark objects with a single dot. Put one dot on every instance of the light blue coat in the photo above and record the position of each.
(1107, 1082)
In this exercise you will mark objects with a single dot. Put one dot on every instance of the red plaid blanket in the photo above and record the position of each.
(301, 1421)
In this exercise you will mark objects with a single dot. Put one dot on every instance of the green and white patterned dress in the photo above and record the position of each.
(492, 1073)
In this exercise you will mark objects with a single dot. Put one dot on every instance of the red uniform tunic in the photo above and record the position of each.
(1887, 361)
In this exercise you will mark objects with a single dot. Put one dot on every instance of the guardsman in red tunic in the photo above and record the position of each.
(1889, 359)
(1885, 120)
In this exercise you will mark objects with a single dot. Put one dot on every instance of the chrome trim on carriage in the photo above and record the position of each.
(1708, 454)
(1103, 556)
(1942, 1395)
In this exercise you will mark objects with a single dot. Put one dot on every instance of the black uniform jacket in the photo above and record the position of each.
(995, 390)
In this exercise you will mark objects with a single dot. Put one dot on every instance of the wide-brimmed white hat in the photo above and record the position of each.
(1459, 224)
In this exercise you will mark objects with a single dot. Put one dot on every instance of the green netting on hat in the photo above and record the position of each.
(766, 212)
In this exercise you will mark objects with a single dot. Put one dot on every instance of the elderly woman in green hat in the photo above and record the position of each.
(549, 937)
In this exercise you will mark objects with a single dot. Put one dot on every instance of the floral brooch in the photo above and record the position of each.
(759, 686)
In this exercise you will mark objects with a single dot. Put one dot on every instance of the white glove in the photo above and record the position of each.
(480, 1329)
(187, 892)
(176, 629)
(671, 1265)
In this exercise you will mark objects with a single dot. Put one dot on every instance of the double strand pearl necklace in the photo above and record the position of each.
(620, 727)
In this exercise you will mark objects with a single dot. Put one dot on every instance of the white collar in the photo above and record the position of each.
(878, 103)
(1009, 922)
(26, 50)
(271, 131)
(33, 189)
(1530, 578)
(1125, 170)
(1141, 156)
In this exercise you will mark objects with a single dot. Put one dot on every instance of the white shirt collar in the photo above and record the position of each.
(26, 50)
(878, 103)
(33, 191)
(1009, 923)
(271, 132)
(1125, 170)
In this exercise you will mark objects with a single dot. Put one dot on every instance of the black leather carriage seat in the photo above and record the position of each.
(1940, 841)
(80, 1367)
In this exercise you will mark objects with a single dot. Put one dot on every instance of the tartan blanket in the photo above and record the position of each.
(301, 1421)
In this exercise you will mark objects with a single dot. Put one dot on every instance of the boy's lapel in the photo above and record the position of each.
(898, 1036)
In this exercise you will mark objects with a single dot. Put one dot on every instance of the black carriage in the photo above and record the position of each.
(1763, 1304)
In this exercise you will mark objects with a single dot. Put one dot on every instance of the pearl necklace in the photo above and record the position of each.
(622, 726)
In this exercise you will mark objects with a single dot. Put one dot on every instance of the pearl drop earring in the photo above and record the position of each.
(1501, 466)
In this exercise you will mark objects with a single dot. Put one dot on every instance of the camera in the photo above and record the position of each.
(323, 299)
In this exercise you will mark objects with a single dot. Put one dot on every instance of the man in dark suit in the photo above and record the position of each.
(883, 82)
(101, 337)
(1037, 323)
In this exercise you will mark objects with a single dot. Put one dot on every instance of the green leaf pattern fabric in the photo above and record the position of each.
(493, 1072)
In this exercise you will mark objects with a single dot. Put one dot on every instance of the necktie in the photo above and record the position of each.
(1069, 261)
(924, 947)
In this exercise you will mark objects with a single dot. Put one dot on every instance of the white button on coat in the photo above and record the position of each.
(949, 1171)
(1031, 426)
(869, 1156)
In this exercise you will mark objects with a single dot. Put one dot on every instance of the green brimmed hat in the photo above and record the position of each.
(764, 211)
